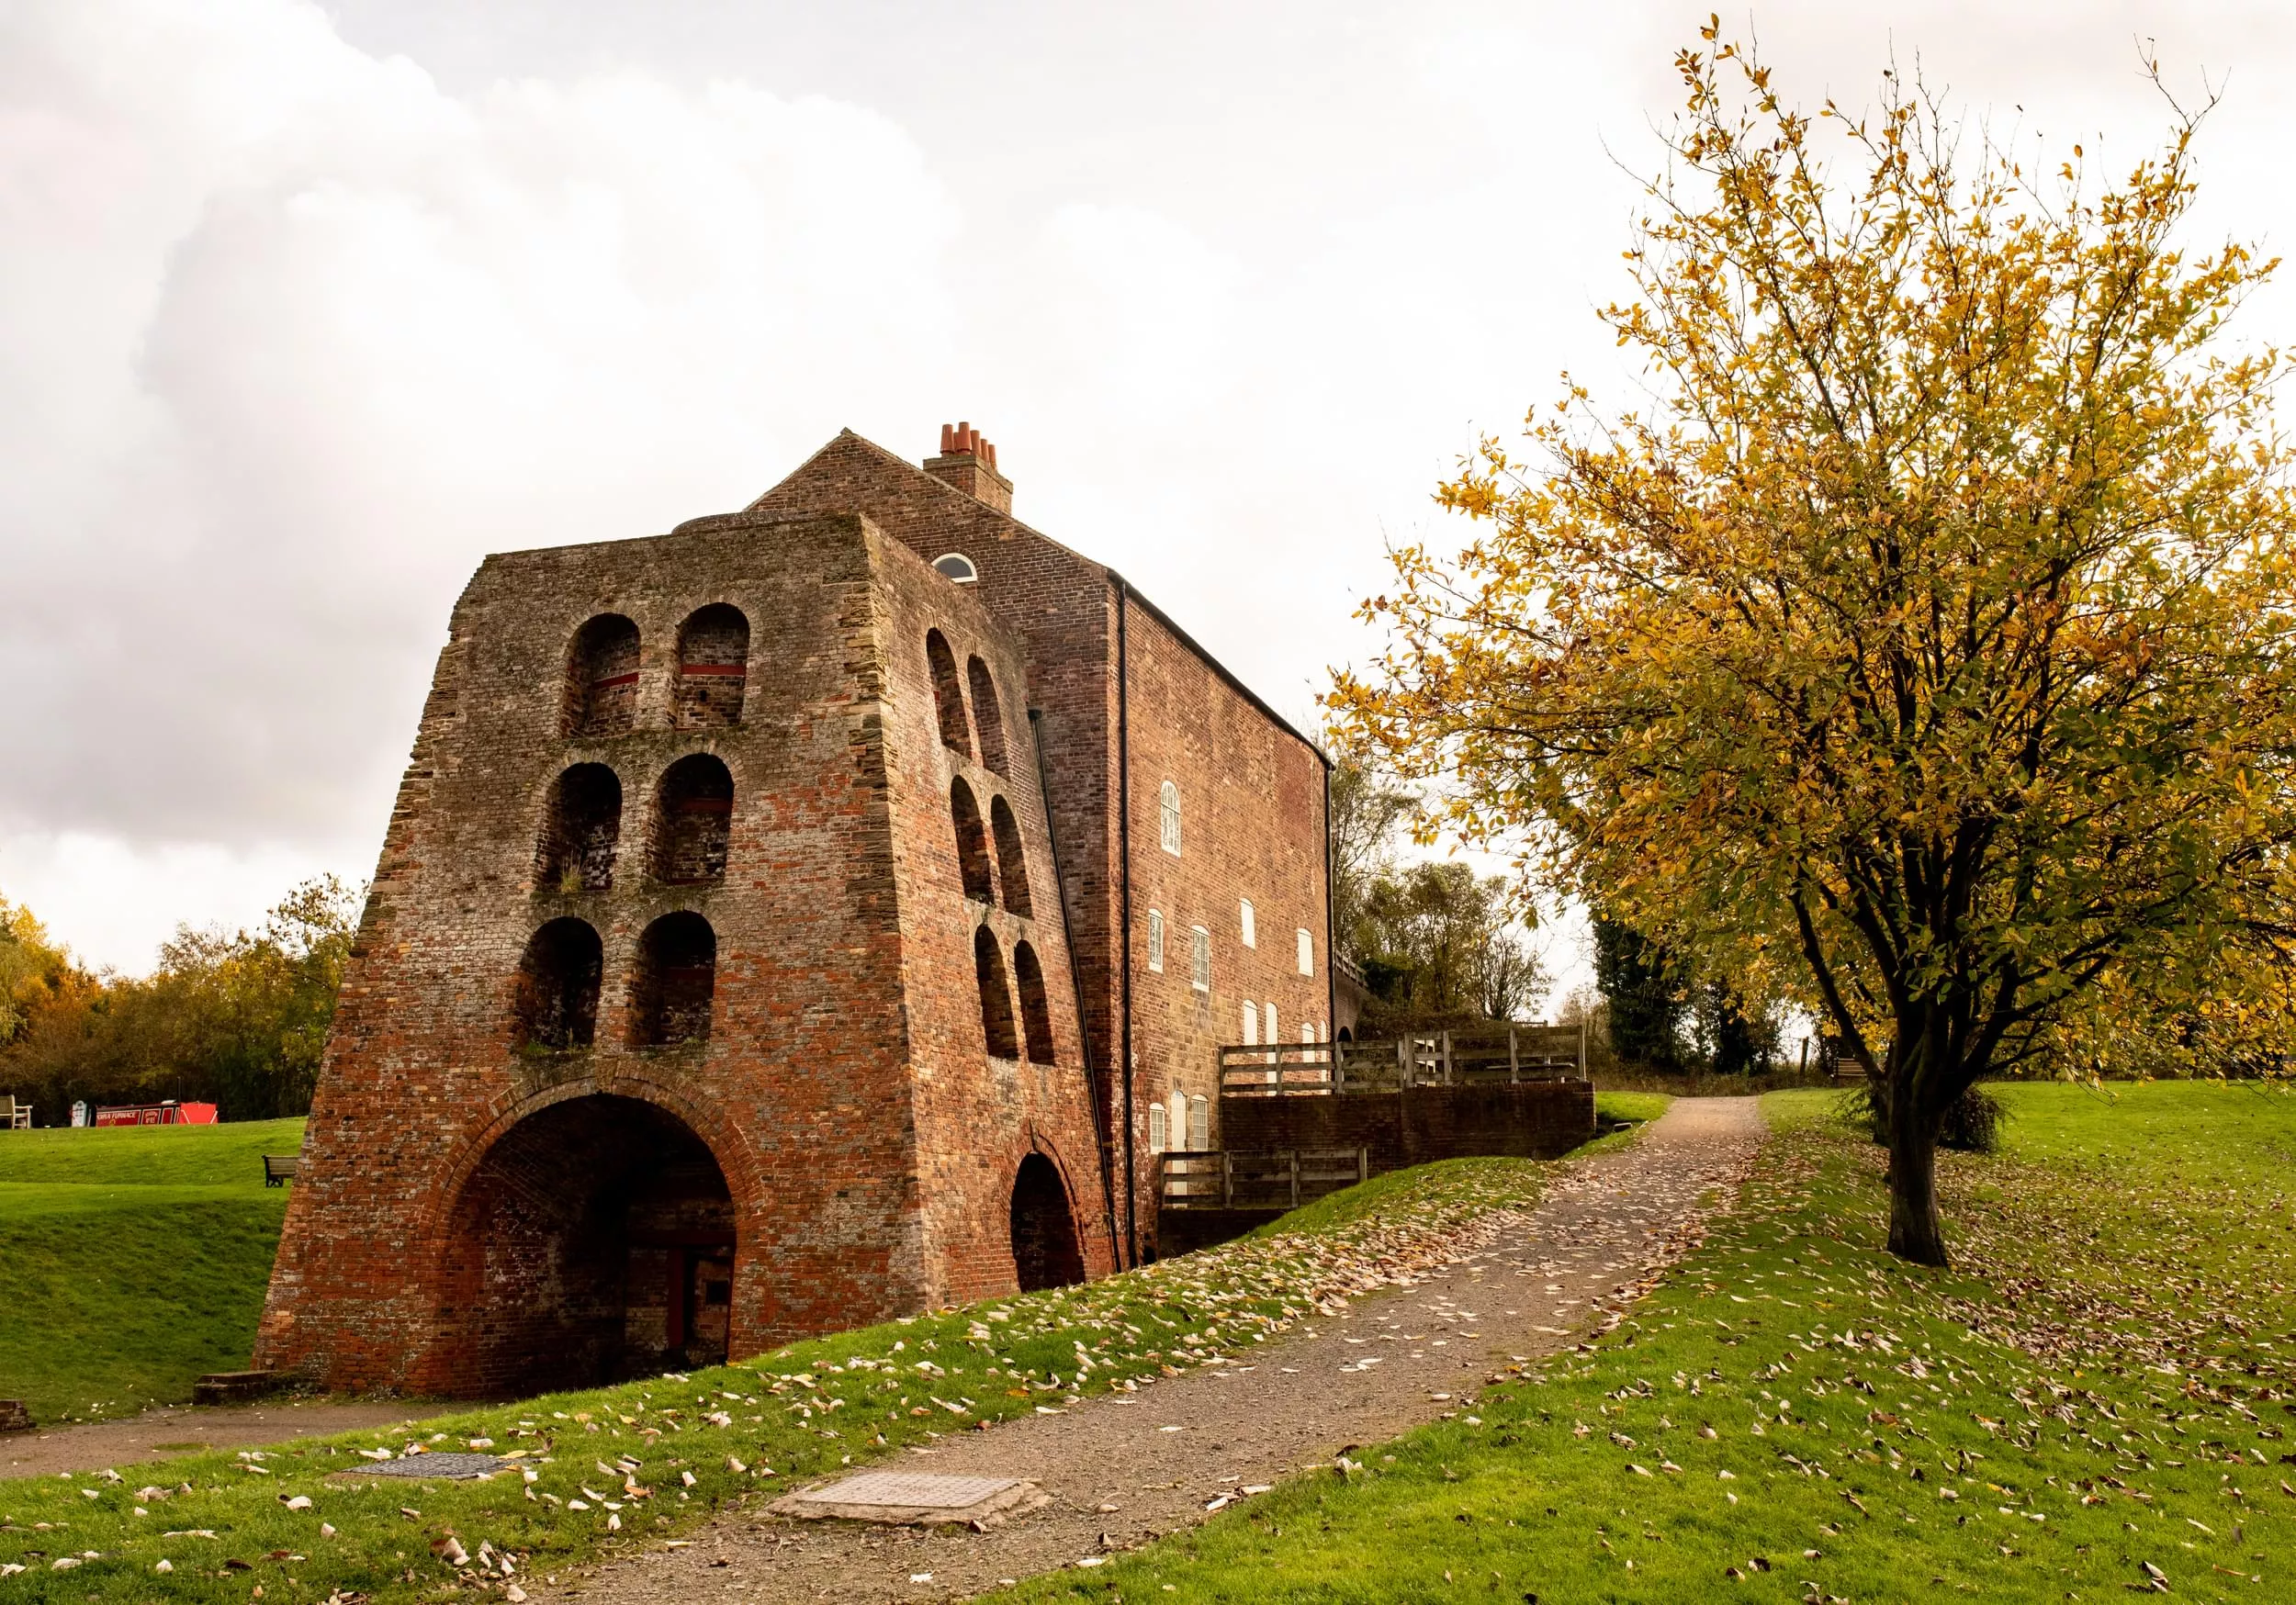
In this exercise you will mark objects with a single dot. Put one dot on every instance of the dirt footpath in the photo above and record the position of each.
(1126, 1468)
(180, 1428)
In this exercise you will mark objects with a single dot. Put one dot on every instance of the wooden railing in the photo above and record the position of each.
(1278, 1179)
(1507, 1055)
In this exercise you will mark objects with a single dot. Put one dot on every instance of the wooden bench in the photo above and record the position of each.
(278, 1168)
(14, 1116)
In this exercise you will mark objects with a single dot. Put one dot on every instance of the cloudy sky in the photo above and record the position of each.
(306, 306)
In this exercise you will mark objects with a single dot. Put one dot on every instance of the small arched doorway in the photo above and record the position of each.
(594, 1242)
(1044, 1249)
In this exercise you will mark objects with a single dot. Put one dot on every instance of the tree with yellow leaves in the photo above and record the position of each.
(1922, 646)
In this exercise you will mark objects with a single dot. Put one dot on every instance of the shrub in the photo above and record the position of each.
(1973, 1121)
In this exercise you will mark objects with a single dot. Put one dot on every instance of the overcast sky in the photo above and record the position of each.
(305, 308)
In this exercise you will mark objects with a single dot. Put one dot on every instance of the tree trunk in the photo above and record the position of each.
(1915, 1231)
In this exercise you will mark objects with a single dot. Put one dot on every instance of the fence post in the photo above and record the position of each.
(1227, 1180)
(1582, 1048)
(1514, 1064)
(1446, 1059)
(1403, 1059)
(1295, 1178)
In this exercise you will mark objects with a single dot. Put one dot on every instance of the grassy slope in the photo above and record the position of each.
(134, 1258)
(1875, 1433)
(805, 1409)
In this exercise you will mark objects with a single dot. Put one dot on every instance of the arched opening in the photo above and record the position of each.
(694, 817)
(602, 677)
(557, 987)
(972, 844)
(581, 824)
(987, 716)
(948, 694)
(594, 1242)
(1012, 865)
(1036, 1014)
(956, 567)
(1044, 1247)
(1344, 1035)
(713, 668)
(988, 969)
(676, 981)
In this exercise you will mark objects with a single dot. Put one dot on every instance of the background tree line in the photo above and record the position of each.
(236, 1018)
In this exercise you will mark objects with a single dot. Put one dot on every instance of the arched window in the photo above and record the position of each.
(1199, 958)
(972, 843)
(1199, 1123)
(948, 694)
(694, 817)
(956, 567)
(1171, 819)
(676, 982)
(989, 968)
(581, 824)
(1178, 1107)
(1251, 1023)
(1250, 926)
(1012, 865)
(602, 677)
(557, 987)
(1155, 940)
(1036, 1014)
(1307, 954)
(713, 668)
(1159, 1127)
(1268, 1025)
(987, 716)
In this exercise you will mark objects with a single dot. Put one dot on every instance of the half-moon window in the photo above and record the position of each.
(956, 567)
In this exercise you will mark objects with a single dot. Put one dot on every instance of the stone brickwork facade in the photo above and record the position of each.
(759, 935)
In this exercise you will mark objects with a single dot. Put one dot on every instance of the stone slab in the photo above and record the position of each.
(900, 1497)
(444, 1467)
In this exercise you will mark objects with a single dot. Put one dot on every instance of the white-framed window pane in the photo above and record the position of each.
(1199, 958)
(1178, 1129)
(1268, 1025)
(1171, 832)
(1198, 1122)
(1251, 1025)
(1251, 935)
(1156, 1127)
(1307, 954)
(1155, 940)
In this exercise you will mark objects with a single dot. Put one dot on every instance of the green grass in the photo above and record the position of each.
(738, 1430)
(134, 1259)
(2102, 1383)
(1631, 1107)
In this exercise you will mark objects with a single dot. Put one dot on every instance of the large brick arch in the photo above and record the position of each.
(556, 1217)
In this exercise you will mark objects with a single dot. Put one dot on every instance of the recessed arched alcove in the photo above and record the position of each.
(1045, 1252)
(595, 1241)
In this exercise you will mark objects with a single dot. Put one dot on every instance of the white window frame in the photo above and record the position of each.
(1251, 926)
(1307, 952)
(1251, 1023)
(972, 575)
(1169, 825)
(1268, 1025)
(1155, 940)
(1159, 1120)
(1199, 959)
(1175, 1131)
(1199, 1123)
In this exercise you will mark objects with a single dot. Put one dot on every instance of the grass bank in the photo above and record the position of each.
(610, 1469)
(134, 1259)
(2096, 1399)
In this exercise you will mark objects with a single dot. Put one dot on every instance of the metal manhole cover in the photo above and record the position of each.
(914, 1498)
(447, 1467)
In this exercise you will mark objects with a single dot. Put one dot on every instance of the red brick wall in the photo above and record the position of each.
(837, 940)
(1251, 791)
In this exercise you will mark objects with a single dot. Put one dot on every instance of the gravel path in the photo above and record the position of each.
(1123, 1469)
(177, 1428)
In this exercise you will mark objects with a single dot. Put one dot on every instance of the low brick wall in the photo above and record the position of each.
(1419, 1125)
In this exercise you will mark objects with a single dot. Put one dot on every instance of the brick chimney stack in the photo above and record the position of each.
(969, 463)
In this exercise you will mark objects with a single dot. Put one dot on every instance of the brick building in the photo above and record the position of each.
(816, 913)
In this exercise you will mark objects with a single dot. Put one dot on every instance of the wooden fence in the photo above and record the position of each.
(1284, 1179)
(1504, 1056)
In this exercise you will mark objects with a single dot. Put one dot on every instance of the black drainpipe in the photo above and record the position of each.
(1076, 981)
(1124, 909)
